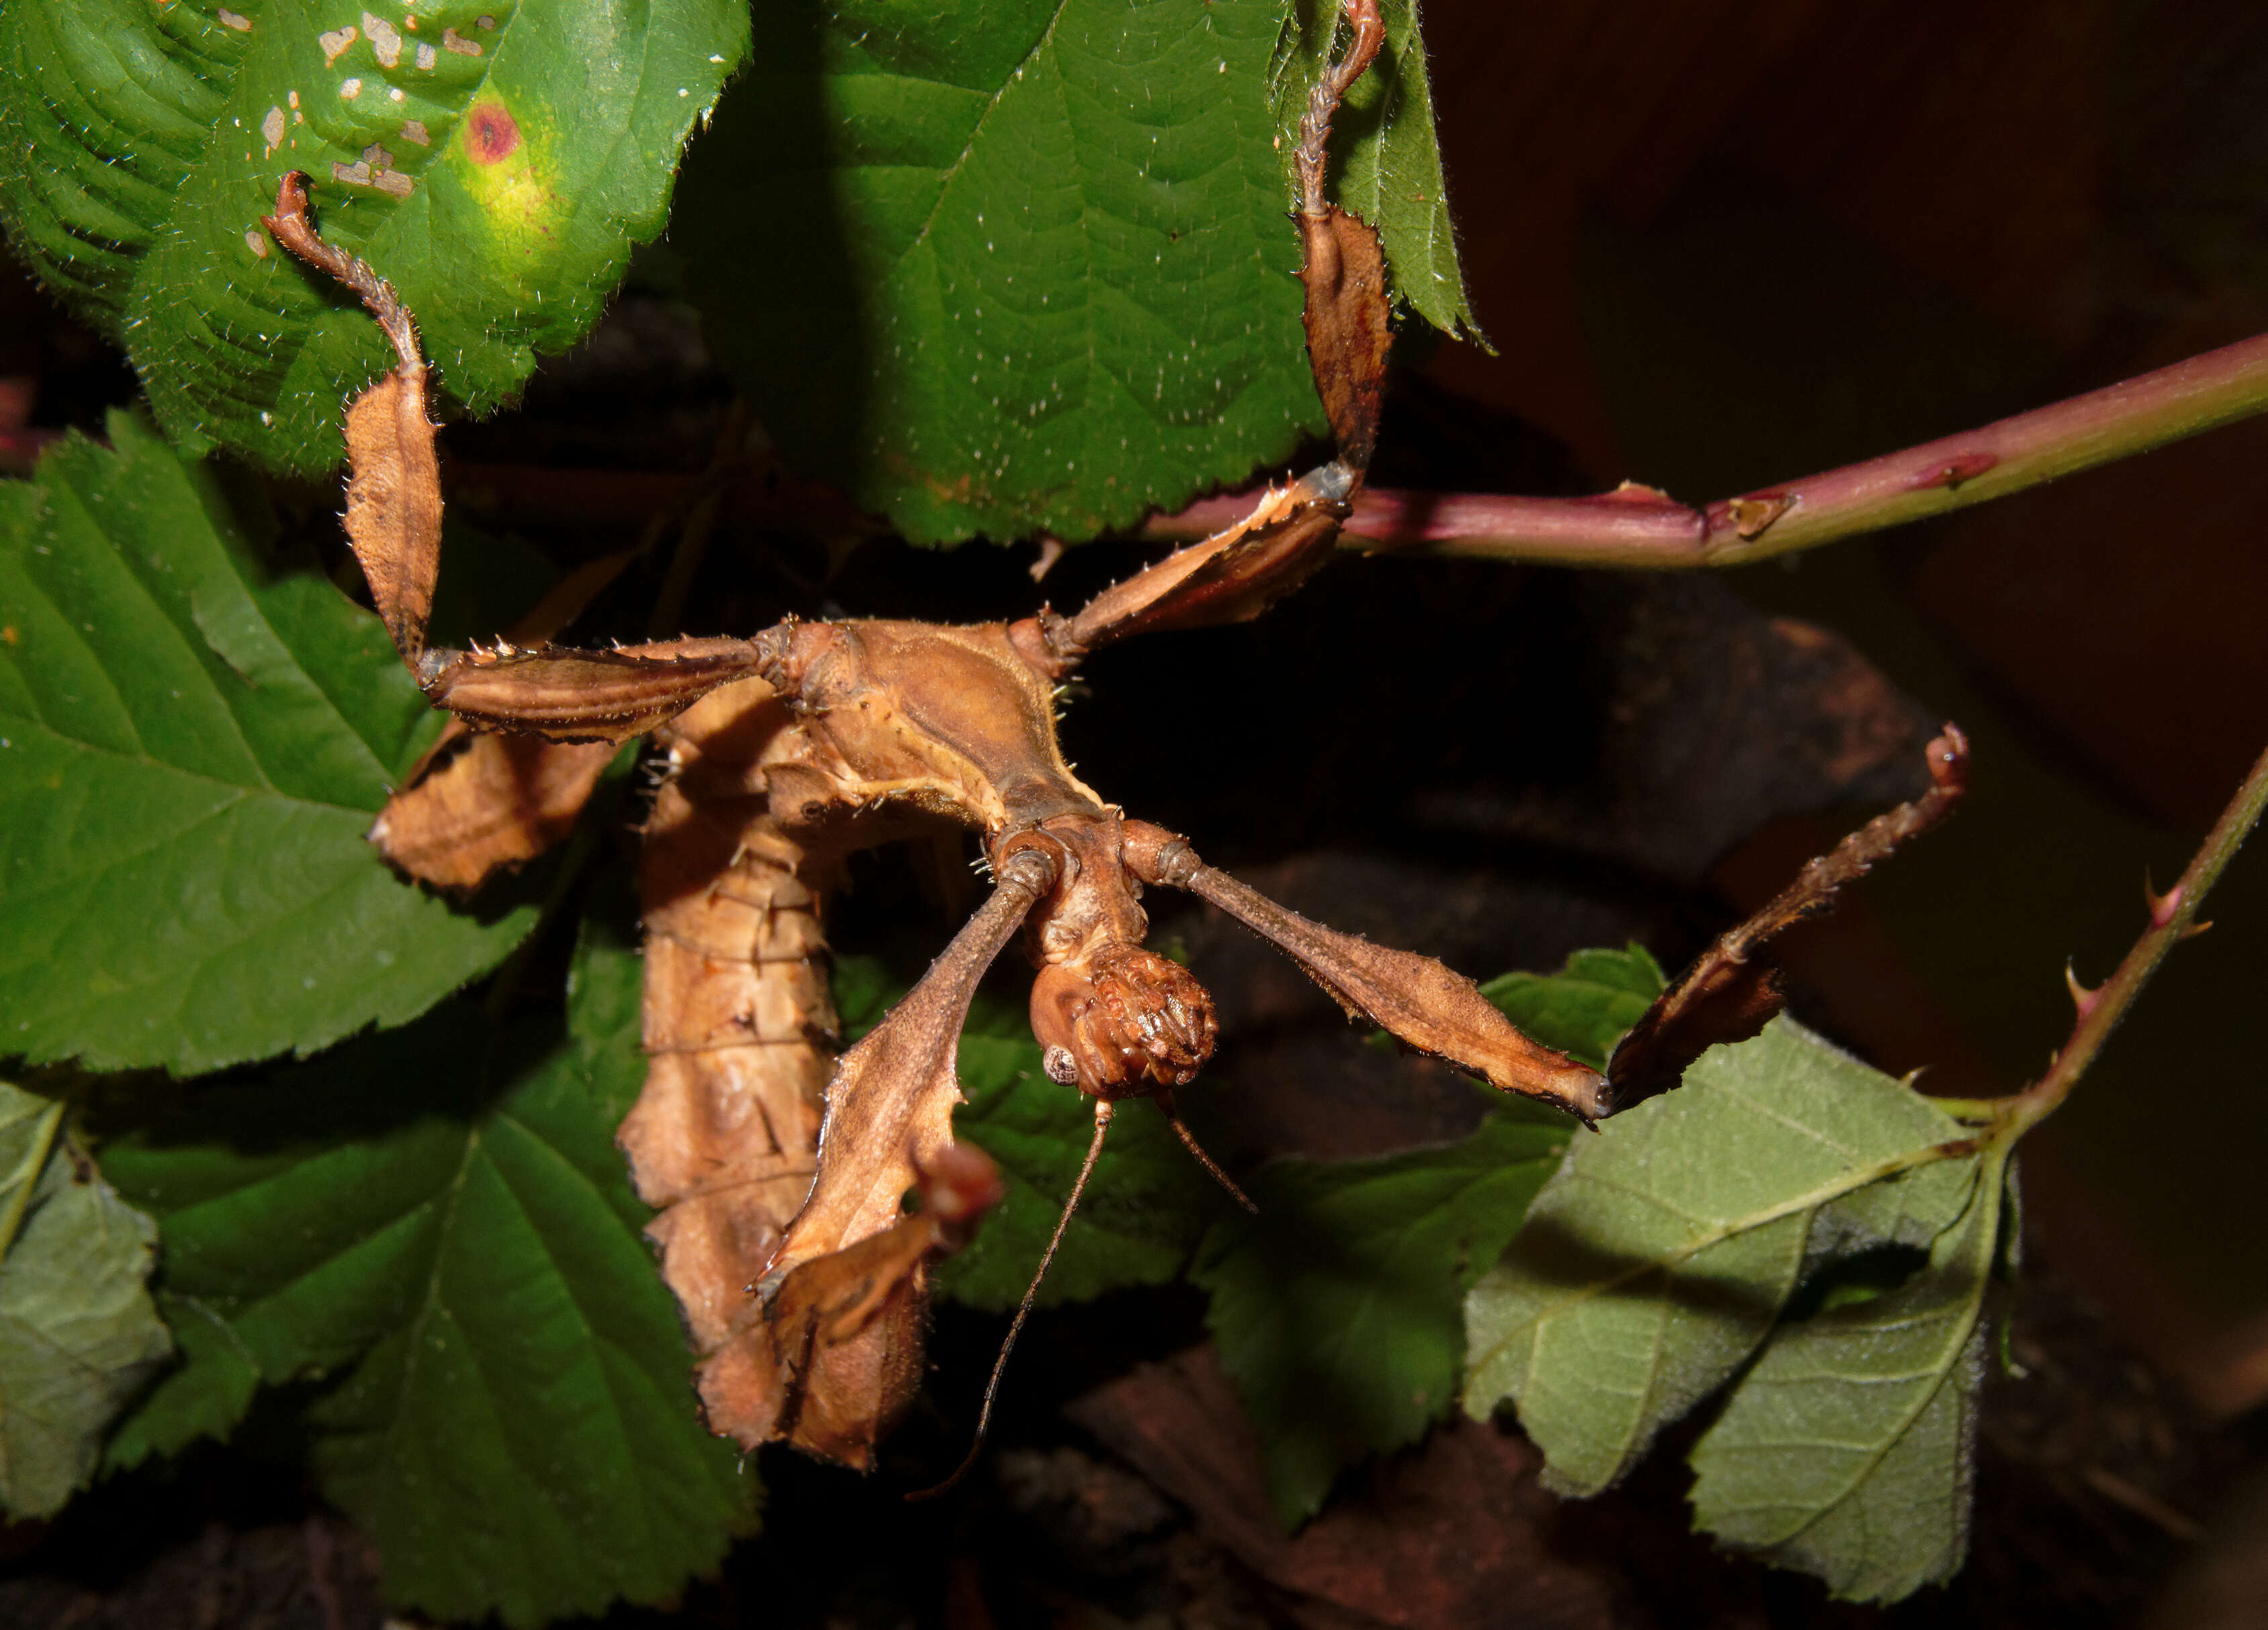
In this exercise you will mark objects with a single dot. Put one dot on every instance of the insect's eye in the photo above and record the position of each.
(1124, 1024)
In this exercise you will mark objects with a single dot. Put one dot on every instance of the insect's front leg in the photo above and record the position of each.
(1232, 577)
(1236, 575)
(1425, 1006)
(565, 694)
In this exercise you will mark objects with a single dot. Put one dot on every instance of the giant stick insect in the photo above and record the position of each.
(779, 1173)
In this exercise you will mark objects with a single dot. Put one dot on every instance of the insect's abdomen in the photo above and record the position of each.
(736, 1024)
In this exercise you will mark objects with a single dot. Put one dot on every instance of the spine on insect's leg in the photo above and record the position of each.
(738, 1027)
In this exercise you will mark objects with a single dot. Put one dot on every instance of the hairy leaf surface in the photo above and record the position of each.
(438, 1216)
(1662, 1251)
(78, 1335)
(1336, 1308)
(1042, 277)
(191, 746)
(1846, 1451)
(1386, 165)
(495, 159)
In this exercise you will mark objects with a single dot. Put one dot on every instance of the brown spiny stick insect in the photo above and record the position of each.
(780, 1172)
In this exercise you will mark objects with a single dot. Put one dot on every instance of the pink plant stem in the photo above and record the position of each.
(2173, 918)
(1636, 526)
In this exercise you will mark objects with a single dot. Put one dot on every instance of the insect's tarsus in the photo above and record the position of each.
(292, 228)
(1104, 1109)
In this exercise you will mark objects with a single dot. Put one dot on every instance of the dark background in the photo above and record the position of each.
(1715, 244)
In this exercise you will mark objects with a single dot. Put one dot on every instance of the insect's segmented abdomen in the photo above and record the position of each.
(738, 1022)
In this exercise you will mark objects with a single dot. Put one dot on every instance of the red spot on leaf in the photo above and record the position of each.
(490, 133)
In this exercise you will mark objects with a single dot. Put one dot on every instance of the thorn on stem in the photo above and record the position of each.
(2163, 906)
(2082, 996)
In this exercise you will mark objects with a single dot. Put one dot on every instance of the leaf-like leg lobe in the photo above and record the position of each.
(1423, 1004)
(393, 495)
(1232, 577)
(569, 695)
(831, 1351)
(477, 803)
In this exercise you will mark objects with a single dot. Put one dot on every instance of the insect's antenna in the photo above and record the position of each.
(1104, 1109)
(1189, 1142)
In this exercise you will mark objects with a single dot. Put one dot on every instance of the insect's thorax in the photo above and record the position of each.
(951, 721)
(956, 722)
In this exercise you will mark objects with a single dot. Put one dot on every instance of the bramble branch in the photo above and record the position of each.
(1639, 527)
(2173, 916)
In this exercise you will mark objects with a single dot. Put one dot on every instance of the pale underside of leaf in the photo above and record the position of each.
(204, 1396)
(1846, 1451)
(78, 1334)
(1660, 1254)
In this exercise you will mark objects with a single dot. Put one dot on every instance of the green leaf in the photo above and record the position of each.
(496, 160)
(1042, 276)
(1145, 1207)
(864, 988)
(1847, 1449)
(439, 1215)
(1583, 1008)
(78, 1335)
(205, 1396)
(606, 993)
(1386, 163)
(191, 746)
(1336, 1308)
(1662, 1251)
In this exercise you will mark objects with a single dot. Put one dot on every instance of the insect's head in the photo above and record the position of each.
(1124, 1023)
(1115, 1019)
